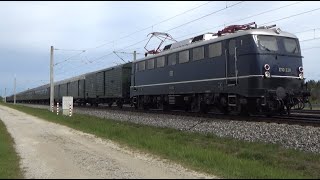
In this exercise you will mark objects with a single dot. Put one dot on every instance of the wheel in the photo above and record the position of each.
(145, 107)
(120, 104)
(244, 110)
(288, 110)
(203, 108)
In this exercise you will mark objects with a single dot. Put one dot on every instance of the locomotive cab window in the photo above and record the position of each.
(142, 65)
(198, 53)
(291, 45)
(215, 50)
(160, 61)
(150, 64)
(267, 43)
(184, 56)
(172, 59)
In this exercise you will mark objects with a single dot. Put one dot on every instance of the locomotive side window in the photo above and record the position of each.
(142, 65)
(184, 56)
(215, 50)
(198, 53)
(150, 64)
(172, 59)
(232, 45)
(268, 43)
(160, 61)
(291, 45)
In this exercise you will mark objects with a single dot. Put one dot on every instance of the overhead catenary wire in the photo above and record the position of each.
(57, 49)
(204, 16)
(69, 58)
(143, 29)
(292, 16)
(96, 60)
(310, 39)
(237, 21)
(222, 25)
(270, 21)
(313, 29)
(102, 57)
(153, 25)
(310, 48)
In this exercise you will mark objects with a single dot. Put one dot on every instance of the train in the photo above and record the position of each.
(242, 69)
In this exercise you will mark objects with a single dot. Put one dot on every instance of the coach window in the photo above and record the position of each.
(142, 65)
(172, 59)
(198, 53)
(215, 50)
(150, 64)
(184, 56)
(160, 61)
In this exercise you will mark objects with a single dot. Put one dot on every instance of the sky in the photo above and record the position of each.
(85, 34)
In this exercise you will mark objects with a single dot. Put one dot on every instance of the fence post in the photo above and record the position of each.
(57, 108)
(70, 111)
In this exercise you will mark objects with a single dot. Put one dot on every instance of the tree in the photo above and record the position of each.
(314, 87)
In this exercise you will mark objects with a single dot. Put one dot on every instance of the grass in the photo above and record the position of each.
(9, 160)
(223, 157)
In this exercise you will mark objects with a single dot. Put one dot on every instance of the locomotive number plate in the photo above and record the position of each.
(284, 69)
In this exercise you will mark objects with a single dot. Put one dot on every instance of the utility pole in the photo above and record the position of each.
(5, 95)
(14, 90)
(134, 67)
(51, 80)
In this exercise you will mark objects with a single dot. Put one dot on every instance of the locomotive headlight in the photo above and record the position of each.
(301, 76)
(300, 69)
(267, 74)
(267, 67)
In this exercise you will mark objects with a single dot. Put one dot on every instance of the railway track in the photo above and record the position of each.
(307, 111)
(303, 118)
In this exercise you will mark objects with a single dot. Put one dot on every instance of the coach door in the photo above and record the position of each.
(231, 62)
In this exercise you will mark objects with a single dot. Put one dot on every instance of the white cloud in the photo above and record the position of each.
(28, 29)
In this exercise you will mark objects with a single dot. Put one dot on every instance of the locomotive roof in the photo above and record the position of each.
(270, 32)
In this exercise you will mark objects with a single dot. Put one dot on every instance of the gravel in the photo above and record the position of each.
(305, 138)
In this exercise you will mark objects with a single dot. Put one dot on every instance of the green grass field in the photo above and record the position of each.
(223, 157)
(9, 160)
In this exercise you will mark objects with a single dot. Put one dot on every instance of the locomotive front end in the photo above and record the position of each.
(280, 61)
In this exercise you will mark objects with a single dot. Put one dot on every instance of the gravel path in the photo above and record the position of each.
(49, 150)
(305, 138)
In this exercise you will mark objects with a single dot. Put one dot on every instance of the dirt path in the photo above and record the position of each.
(49, 150)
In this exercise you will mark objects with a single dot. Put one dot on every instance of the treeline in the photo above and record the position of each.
(314, 87)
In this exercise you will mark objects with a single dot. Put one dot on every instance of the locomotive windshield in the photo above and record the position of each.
(272, 44)
(291, 45)
(268, 43)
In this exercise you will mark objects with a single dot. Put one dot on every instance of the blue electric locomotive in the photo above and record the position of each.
(243, 68)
